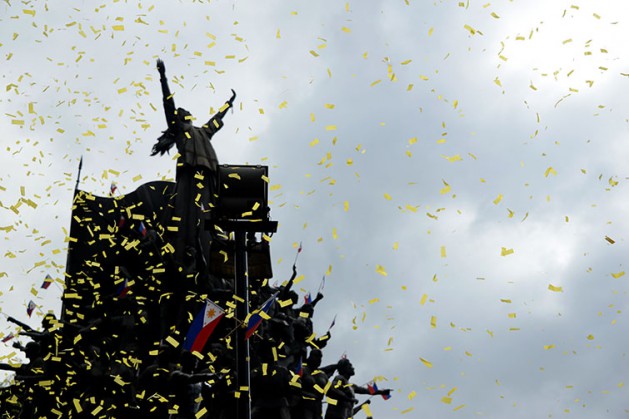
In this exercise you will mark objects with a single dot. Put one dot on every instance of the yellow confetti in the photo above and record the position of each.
(505, 252)
(547, 347)
(412, 395)
(426, 362)
(443, 251)
(374, 300)
(498, 199)
(314, 142)
(387, 196)
(118, 27)
(446, 188)
(423, 299)
(618, 275)
(550, 171)
(554, 288)
(380, 270)
(610, 240)
(453, 158)
(433, 322)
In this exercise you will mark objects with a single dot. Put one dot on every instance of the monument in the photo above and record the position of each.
(168, 311)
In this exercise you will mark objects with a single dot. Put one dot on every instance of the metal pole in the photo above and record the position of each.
(242, 310)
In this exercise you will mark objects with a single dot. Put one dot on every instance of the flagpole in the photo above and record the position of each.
(242, 311)
(78, 176)
(297, 254)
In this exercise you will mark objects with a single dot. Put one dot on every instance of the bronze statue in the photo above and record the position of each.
(196, 176)
(344, 392)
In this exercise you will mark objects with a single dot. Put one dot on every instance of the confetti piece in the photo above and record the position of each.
(498, 199)
(426, 363)
(550, 171)
(380, 270)
(554, 288)
(505, 252)
(610, 240)
(443, 251)
(618, 275)
(547, 347)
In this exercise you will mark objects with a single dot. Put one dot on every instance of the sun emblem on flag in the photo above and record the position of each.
(210, 313)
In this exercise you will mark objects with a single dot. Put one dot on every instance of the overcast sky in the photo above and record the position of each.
(458, 168)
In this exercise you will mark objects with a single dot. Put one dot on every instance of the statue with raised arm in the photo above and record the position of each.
(343, 392)
(196, 176)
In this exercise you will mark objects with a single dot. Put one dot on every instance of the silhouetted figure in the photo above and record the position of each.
(344, 392)
(270, 387)
(313, 382)
(187, 385)
(196, 176)
(29, 374)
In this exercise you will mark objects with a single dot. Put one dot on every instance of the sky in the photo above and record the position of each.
(456, 170)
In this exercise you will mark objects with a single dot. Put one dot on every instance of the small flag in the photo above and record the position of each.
(297, 255)
(142, 229)
(121, 221)
(8, 338)
(202, 326)
(322, 285)
(255, 319)
(123, 289)
(47, 281)
(113, 188)
(373, 389)
(308, 298)
(299, 369)
(333, 323)
(30, 308)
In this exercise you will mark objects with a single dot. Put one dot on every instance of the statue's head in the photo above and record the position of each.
(345, 367)
(292, 295)
(307, 309)
(32, 349)
(184, 116)
(315, 358)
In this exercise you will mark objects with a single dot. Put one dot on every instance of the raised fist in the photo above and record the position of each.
(160, 66)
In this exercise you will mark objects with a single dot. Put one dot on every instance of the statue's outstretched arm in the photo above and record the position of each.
(169, 102)
(216, 122)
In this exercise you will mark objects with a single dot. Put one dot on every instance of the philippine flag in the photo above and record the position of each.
(8, 338)
(202, 326)
(47, 281)
(373, 389)
(123, 289)
(255, 318)
(142, 229)
(30, 308)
